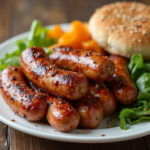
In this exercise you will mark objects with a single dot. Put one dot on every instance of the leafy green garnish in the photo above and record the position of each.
(140, 110)
(143, 95)
(37, 37)
(143, 83)
(136, 66)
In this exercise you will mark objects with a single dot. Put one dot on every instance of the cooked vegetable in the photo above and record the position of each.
(75, 35)
(37, 37)
(56, 32)
(93, 46)
(140, 110)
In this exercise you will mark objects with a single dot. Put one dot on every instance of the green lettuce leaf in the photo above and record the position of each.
(140, 110)
(136, 66)
(143, 83)
(147, 67)
(143, 96)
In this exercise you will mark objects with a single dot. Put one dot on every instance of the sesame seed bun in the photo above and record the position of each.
(122, 28)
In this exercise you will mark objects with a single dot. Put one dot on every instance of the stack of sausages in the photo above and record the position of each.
(68, 86)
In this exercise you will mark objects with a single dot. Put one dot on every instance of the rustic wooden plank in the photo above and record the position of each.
(4, 35)
(22, 141)
(147, 141)
(4, 20)
(3, 137)
(83, 9)
(48, 12)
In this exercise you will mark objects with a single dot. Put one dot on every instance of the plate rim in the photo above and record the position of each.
(61, 137)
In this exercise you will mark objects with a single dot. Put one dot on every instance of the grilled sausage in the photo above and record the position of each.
(37, 68)
(94, 66)
(90, 111)
(121, 83)
(103, 95)
(19, 97)
(60, 114)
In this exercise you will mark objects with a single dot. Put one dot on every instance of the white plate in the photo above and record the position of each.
(110, 129)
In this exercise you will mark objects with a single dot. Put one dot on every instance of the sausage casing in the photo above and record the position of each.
(90, 111)
(37, 68)
(121, 83)
(94, 66)
(19, 97)
(103, 95)
(60, 113)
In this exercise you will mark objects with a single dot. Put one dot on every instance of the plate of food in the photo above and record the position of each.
(80, 82)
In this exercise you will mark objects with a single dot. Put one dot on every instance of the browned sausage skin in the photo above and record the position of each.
(20, 98)
(37, 68)
(121, 83)
(94, 66)
(60, 114)
(103, 95)
(90, 111)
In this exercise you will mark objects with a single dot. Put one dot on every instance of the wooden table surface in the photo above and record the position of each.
(15, 18)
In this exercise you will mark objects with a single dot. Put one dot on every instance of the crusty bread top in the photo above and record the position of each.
(122, 28)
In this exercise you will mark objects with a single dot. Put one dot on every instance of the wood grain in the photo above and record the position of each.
(48, 12)
(5, 33)
(147, 141)
(83, 9)
(22, 141)
(3, 137)
(16, 17)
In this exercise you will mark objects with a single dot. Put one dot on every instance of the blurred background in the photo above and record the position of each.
(16, 15)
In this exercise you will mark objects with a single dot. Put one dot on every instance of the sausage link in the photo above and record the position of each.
(19, 97)
(121, 83)
(103, 95)
(60, 114)
(90, 111)
(94, 66)
(37, 68)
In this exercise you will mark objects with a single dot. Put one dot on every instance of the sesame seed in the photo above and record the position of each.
(118, 16)
(139, 40)
(113, 27)
(135, 29)
(102, 17)
(131, 32)
(115, 11)
(122, 27)
(133, 40)
(144, 32)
